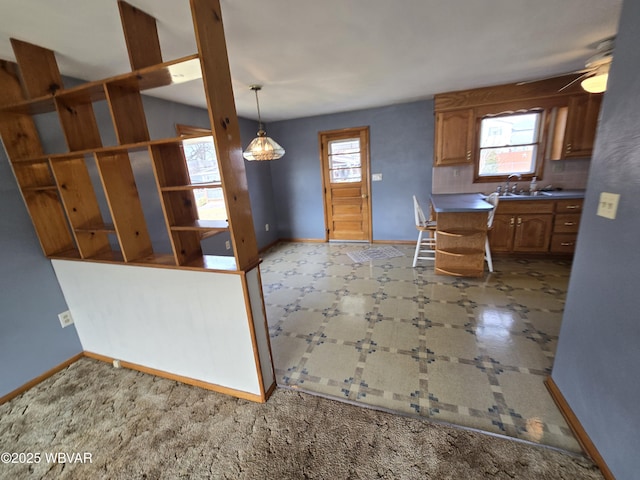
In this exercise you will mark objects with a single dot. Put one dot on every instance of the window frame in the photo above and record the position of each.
(514, 108)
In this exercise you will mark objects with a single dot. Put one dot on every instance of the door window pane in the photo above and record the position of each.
(344, 161)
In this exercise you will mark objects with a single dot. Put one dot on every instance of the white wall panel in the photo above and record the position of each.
(189, 323)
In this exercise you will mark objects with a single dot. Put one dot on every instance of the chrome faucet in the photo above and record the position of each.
(506, 185)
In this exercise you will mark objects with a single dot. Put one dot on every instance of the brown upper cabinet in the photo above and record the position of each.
(574, 115)
(454, 137)
(575, 127)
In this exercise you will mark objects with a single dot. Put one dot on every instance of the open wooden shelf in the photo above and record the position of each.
(460, 252)
(206, 225)
(102, 227)
(173, 72)
(461, 232)
(457, 273)
(191, 186)
(61, 190)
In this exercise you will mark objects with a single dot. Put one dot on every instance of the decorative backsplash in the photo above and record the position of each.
(566, 174)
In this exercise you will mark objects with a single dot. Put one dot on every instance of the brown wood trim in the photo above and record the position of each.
(268, 246)
(185, 130)
(576, 427)
(477, 97)
(303, 240)
(395, 242)
(179, 378)
(32, 383)
(266, 329)
(270, 390)
(252, 332)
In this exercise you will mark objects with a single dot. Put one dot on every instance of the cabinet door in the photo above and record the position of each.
(454, 137)
(582, 123)
(533, 233)
(501, 233)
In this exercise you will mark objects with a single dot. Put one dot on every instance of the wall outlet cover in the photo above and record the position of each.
(65, 319)
(376, 177)
(608, 205)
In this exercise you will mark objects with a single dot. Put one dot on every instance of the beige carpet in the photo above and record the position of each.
(137, 426)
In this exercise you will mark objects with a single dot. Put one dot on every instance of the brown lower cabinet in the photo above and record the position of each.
(535, 226)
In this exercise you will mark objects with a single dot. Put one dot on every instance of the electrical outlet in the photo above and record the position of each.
(376, 177)
(266, 227)
(227, 244)
(608, 205)
(65, 318)
(456, 172)
(116, 364)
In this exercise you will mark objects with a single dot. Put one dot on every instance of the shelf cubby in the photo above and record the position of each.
(122, 196)
(81, 205)
(127, 112)
(78, 121)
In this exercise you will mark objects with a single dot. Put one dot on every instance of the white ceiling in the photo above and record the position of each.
(317, 57)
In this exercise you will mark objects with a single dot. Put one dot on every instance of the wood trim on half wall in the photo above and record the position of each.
(576, 427)
(180, 378)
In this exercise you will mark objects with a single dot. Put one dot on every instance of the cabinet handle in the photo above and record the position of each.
(519, 221)
(567, 244)
(468, 154)
(568, 148)
(572, 207)
(512, 221)
(568, 224)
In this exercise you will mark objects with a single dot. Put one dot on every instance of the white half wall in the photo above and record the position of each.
(189, 323)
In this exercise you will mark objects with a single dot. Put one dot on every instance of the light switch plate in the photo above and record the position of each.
(608, 205)
(376, 177)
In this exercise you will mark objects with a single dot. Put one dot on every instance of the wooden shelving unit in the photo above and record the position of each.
(57, 188)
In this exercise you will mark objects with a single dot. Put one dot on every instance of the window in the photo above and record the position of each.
(509, 143)
(202, 164)
(344, 161)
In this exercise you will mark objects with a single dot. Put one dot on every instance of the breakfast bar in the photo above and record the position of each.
(461, 233)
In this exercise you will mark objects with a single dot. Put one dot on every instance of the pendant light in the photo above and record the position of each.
(262, 147)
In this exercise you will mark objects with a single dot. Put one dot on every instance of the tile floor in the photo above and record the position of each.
(472, 352)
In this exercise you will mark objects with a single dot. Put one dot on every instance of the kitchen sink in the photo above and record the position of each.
(525, 194)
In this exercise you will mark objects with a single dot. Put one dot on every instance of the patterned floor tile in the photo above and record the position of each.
(473, 352)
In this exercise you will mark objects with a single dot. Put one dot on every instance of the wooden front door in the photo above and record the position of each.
(345, 174)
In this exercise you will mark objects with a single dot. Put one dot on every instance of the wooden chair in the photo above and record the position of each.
(426, 245)
(493, 200)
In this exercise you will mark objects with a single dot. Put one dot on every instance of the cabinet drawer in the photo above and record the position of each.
(566, 223)
(519, 206)
(569, 206)
(563, 243)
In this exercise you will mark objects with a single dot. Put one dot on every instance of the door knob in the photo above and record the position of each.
(364, 195)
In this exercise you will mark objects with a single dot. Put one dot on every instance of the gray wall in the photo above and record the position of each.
(598, 354)
(401, 148)
(31, 338)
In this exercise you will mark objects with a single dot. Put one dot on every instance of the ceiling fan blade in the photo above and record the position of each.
(574, 72)
(577, 79)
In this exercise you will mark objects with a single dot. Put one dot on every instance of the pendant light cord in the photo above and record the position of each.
(256, 89)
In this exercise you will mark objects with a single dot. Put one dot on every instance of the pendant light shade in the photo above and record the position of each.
(262, 147)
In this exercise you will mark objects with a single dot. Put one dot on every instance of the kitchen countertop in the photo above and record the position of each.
(460, 202)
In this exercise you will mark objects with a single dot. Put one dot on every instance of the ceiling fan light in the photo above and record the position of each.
(595, 84)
